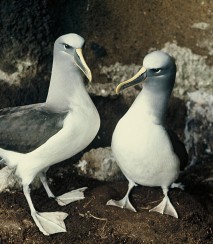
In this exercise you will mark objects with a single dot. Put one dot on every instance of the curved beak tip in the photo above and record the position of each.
(136, 79)
(117, 89)
(80, 62)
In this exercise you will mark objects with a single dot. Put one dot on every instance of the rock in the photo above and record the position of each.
(102, 90)
(98, 50)
(199, 125)
(26, 51)
(201, 25)
(9, 181)
(192, 71)
(118, 72)
(99, 164)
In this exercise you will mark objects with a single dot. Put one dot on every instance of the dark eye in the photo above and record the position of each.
(156, 70)
(66, 46)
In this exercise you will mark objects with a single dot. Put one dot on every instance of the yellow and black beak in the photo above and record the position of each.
(136, 79)
(80, 62)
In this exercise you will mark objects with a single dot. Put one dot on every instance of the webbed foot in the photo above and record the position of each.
(71, 196)
(165, 207)
(50, 222)
(123, 203)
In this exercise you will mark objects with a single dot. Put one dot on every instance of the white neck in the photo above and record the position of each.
(151, 106)
(66, 85)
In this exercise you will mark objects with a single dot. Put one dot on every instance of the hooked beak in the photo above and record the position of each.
(80, 62)
(136, 79)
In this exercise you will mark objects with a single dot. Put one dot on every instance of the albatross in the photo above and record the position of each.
(50, 132)
(148, 152)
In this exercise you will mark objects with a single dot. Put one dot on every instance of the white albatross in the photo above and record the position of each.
(50, 132)
(147, 152)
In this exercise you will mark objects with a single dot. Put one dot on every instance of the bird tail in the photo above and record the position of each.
(9, 158)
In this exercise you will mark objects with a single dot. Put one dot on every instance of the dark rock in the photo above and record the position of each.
(98, 50)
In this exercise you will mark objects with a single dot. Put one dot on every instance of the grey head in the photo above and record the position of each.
(71, 40)
(70, 46)
(157, 73)
(68, 65)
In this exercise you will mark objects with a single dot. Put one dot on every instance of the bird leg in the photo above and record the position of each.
(165, 207)
(66, 198)
(124, 202)
(47, 222)
(43, 180)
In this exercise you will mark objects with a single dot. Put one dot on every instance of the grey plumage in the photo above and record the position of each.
(25, 128)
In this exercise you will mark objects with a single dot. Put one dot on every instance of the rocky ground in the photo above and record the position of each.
(118, 35)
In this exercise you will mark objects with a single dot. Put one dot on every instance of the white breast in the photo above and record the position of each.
(80, 127)
(144, 152)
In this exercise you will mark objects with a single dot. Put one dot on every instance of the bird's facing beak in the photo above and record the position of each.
(80, 62)
(136, 79)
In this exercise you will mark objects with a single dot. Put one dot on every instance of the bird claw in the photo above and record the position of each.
(123, 203)
(71, 196)
(50, 222)
(165, 207)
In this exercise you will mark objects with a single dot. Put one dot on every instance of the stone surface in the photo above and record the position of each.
(192, 71)
(9, 181)
(199, 125)
(26, 41)
(99, 164)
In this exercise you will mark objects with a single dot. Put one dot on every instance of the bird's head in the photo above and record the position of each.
(157, 73)
(70, 46)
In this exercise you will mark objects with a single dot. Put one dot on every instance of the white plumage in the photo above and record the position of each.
(147, 152)
(51, 132)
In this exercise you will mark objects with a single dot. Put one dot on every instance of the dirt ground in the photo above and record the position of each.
(91, 221)
(116, 31)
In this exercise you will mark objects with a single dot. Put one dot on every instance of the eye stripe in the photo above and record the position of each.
(156, 70)
(66, 46)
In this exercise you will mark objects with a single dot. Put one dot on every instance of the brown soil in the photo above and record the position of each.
(91, 221)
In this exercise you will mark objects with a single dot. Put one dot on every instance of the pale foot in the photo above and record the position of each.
(123, 203)
(50, 222)
(165, 207)
(71, 196)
